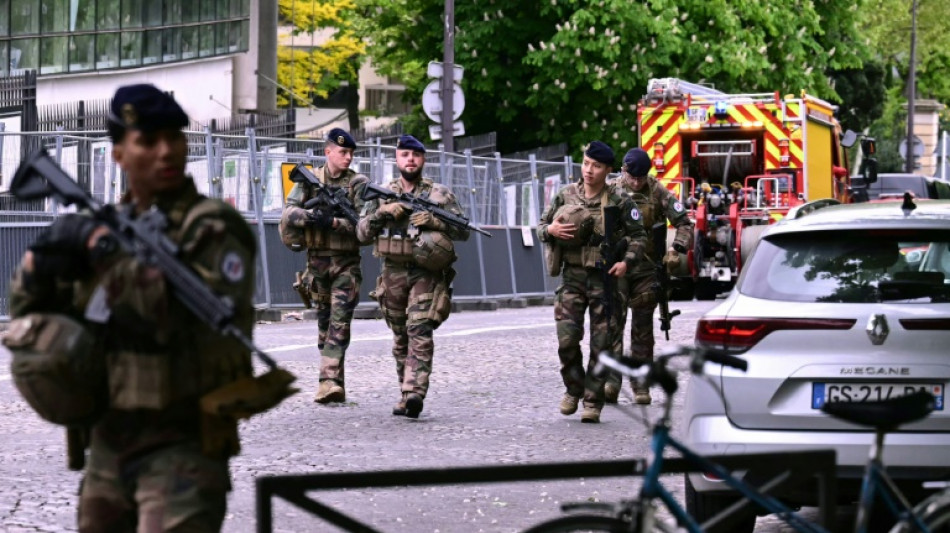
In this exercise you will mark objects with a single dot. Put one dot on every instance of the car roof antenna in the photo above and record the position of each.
(908, 204)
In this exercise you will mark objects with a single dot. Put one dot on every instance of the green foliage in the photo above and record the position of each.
(573, 70)
(319, 71)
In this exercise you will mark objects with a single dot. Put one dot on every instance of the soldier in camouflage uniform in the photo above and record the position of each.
(655, 203)
(156, 461)
(582, 285)
(333, 272)
(414, 295)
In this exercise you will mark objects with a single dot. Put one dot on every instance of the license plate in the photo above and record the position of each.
(870, 392)
(696, 114)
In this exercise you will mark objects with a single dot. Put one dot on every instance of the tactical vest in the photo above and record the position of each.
(585, 254)
(328, 241)
(398, 239)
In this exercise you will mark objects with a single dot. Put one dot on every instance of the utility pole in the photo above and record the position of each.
(911, 92)
(448, 78)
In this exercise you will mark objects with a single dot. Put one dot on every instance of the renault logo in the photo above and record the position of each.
(877, 329)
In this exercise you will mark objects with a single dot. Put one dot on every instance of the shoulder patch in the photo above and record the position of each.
(678, 207)
(634, 214)
(232, 267)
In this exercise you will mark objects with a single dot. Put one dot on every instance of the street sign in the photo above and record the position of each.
(435, 69)
(918, 147)
(435, 130)
(432, 101)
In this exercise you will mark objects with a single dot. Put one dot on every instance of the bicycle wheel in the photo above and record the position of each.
(582, 523)
(934, 512)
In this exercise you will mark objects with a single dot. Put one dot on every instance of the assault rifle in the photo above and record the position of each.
(662, 283)
(143, 236)
(420, 203)
(611, 252)
(334, 197)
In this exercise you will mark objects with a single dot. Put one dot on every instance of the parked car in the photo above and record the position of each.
(841, 303)
(893, 186)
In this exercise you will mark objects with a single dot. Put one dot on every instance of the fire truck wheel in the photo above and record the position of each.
(683, 289)
(706, 289)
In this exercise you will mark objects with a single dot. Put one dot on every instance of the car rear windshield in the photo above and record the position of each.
(857, 266)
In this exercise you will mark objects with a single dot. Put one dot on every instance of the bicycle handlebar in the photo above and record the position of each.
(655, 372)
(724, 359)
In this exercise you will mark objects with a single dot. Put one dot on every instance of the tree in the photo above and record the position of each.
(317, 71)
(573, 70)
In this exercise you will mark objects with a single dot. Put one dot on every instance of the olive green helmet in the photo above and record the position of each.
(56, 369)
(583, 223)
(433, 250)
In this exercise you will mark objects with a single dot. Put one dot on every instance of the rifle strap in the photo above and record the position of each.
(603, 217)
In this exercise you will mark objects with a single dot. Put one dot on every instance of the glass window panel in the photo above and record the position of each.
(153, 13)
(235, 8)
(206, 43)
(153, 47)
(82, 16)
(82, 52)
(189, 42)
(108, 14)
(131, 14)
(4, 25)
(222, 9)
(25, 17)
(55, 15)
(189, 11)
(131, 53)
(221, 37)
(171, 45)
(24, 55)
(107, 50)
(207, 10)
(4, 58)
(234, 37)
(53, 55)
(245, 8)
(172, 11)
(245, 35)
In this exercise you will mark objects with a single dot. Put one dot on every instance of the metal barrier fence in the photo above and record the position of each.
(506, 196)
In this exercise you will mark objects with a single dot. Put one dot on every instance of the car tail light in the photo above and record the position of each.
(740, 334)
(926, 323)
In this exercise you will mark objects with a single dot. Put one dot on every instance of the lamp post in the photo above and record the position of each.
(911, 90)
(448, 79)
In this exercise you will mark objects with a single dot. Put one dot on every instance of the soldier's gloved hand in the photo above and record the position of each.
(62, 249)
(320, 218)
(671, 261)
(393, 210)
(426, 220)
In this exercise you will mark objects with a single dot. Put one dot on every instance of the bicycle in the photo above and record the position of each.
(639, 515)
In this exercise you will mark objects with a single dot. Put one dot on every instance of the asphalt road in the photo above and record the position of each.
(493, 400)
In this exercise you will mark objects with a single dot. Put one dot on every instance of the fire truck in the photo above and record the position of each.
(738, 162)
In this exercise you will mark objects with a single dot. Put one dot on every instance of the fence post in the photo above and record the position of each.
(470, 171)
(503, 205)
(258, 211)
(533, 163)
(59, 146)
(568, 170)
(3, 139)
(209, 157)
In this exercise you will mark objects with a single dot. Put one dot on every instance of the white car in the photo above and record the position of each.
(845, 303)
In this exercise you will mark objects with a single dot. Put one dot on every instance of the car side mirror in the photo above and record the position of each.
(848, 140)
(868, 146)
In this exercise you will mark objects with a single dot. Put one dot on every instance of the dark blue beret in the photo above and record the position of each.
(145, 107)
(340, 137)
(637, 162)
(408, 142)
(599, 151)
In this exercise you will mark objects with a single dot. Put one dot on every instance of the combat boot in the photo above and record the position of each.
(611, 393)
(413, 405)
(641, 395)
(591, 415)
(569, 404)
(329, 391)
(400, 408)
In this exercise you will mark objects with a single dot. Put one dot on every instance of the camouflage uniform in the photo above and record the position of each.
(333, 266)
(655, 203)
(413, 299)
(582, 288)
(156, 461)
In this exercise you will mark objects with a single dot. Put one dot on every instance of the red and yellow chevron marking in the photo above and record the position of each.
(661, 124)
(773, 132)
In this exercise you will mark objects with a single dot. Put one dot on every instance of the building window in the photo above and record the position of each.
(82, 53)
(171, 45)
(4, 24)
(234, 37)
(107, 50)
(55, 16)
(221, 37)
(25, 17)
(153, 47)
(153, 14)
(131, 14)
(4, 59)
(172, 11)
(206, 36)
(84, 16)
(207, 10)
(108, 15)
(24, 55)
(189, 11)
(245, 34)
(189, 42)
(53, 55)
(131, 49)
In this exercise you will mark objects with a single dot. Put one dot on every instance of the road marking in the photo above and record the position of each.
(459, 333)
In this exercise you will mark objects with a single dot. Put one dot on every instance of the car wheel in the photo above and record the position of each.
(702, 506)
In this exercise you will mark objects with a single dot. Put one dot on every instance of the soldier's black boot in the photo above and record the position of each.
(400, 408)
(413, 405)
